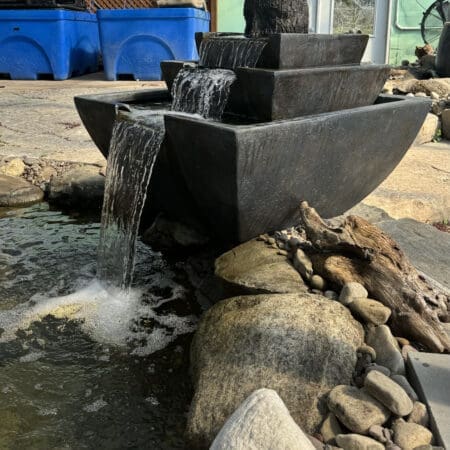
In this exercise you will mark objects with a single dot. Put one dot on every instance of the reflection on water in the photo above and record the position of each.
(60, 388)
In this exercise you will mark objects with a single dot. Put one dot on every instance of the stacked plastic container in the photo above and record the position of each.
(47, 44)
(55, 39)
(135, 41)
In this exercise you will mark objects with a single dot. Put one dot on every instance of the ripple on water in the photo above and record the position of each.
(66, 383)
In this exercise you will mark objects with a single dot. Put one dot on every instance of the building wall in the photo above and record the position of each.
(230, 15)
(405, 29)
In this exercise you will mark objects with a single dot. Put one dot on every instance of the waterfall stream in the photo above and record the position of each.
(202, 91)
(230, 53)
(133, 153)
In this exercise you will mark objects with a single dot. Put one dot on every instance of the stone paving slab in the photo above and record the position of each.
(430, 376)
(38, 118)
(426, 247)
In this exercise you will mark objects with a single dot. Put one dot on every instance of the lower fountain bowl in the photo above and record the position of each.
(241, 180)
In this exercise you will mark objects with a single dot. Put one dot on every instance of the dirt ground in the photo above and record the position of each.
(38, 119)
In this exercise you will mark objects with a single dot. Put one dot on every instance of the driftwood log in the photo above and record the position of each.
(265, 17)
(359, 251)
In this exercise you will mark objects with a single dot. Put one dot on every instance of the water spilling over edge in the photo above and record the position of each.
(202, 91)
(230, 53)
(132, 155)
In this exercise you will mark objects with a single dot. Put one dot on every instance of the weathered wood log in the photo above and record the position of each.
(358, 251)
(265, 17)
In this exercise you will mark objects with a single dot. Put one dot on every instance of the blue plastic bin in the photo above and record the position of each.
(135, 41)
(46, 44)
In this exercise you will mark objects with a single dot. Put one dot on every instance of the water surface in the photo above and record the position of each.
(59, 387)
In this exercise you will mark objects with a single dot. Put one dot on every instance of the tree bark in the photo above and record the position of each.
(359, 251)
(265, 17)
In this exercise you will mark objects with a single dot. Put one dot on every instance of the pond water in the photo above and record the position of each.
(61, 385)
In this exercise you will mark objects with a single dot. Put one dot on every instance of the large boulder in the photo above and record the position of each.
(300, 345)
(262, 422)
(80, 187)
(256, 268)
(18, 192)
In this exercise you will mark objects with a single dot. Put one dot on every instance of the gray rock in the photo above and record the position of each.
(356, 409)
(419, 415)
(408, 436)
(81, 187)
(377, 432)
(352, 291)
(318, 445)
(317, 282)
(261, 422)
(301, 345)
(168, 234)
(404, 383)
(370, 311)
(303, 264)
(255, 268)
(387, 348)
(358, 442)
(377, 367)
(17, 192)
(389, 393)
(330, 429)
(428, 130)
(331, 295)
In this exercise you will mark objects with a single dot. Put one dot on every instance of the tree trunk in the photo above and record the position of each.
(265, 17)
(359, 251)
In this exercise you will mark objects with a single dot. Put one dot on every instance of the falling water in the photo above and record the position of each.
(133, 153)
(230, 53)
(133, 150)
(202, 91)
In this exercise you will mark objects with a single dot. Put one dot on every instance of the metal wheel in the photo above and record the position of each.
(433, 21)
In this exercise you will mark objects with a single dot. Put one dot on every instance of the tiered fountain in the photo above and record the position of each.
(306, 122)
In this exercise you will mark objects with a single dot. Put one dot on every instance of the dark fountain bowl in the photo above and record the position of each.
(241, 180)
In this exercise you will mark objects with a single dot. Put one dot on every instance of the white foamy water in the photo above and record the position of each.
(109, 316)
(202, 91)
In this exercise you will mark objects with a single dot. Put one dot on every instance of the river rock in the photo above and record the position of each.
(303, 264)
(255, 268)
(370, 311)
(330, 429)
(300, 345)
(377, 367)
(356, 409)
(80, 187)
(351, 291)
(378, 433)
(358, 442)
(387, 348)
(14, 168)
(262, 422)
(404, 383)
(165, 235)
(317, 282)
(17, 192)
(419, 415)
(408, 436)
(389, 393)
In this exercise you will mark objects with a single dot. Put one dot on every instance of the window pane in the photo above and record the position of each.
(356, 16)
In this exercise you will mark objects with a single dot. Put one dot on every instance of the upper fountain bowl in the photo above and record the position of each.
(286, 50)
